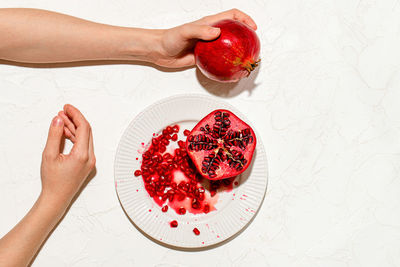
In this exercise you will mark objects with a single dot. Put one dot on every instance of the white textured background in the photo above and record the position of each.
(326, 101)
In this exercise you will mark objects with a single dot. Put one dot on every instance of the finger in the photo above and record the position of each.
(82, 129)
(52, 148)
(234, 14)
(67, 122)
(195, 31)
(69, 135)
(92, 156)
(185, 61)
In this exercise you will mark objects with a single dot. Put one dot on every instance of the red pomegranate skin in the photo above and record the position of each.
(230, 57)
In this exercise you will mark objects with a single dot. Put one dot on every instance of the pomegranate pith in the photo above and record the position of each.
(221, 145)
(230, 57)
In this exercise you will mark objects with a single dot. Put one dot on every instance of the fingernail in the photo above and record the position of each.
(215, 30)
(57, 121)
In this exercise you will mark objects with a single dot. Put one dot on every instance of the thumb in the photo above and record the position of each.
(54, 138)
(204, 32)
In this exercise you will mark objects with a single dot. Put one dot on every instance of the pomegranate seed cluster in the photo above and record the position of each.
(221, 144)
(157, 170)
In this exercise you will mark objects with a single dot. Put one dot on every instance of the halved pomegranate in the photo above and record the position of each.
(221, 145)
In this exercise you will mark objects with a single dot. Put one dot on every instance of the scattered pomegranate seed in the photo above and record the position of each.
(182, 211)
(169, 129)
(176, 128)
(206, 208)
(213, 193)
(181, 144)
(196, 231)
(137, 173)
(158, 168)
(173, 224)
(186, 132)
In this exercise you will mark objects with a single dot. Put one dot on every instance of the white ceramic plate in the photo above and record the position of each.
(235, 209)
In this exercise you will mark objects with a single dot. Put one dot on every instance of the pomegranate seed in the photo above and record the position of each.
(201, 196)
(171, 198)
(164, 209)
(182, 211)
(154, 141)
(181, 197)
(186, 132)
(165, 142)
(138, 173)
(195, 204)
(196, 231)
(173, 224)
(181, 144)
(206, 208)
(162, 148)
(170, 130)
(174, 137)
(213, 193)
(165, 132)
(175, 128)
(167, 156)
(164, 197)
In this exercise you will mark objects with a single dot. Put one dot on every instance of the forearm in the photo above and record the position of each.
(18, 247)
(31, 35)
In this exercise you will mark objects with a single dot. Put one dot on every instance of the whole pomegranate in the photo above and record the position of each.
(230, 57)
(221, 145)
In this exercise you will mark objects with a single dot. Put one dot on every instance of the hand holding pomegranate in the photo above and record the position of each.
(177, 44)
(56, 37)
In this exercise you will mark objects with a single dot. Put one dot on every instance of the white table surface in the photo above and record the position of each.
(326, 101)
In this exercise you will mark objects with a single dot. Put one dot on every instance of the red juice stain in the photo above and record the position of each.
(137, 158)
(142, 144)
(202, 242)
(149, 210)
(217, 236)
(137, 190)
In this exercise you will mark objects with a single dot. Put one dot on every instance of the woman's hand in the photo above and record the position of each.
(41, 36)
(63, 175)
(176, 48)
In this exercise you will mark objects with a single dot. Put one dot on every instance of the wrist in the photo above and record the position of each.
(142, 45)
(55, 203)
